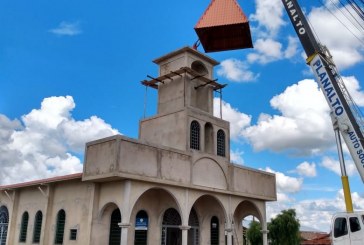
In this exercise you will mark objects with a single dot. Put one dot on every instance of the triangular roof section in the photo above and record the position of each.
(220, 13)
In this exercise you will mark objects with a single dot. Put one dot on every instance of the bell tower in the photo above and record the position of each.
(185, 119)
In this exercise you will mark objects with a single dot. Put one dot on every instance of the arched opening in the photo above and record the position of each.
(245, 215)
(220, 143)
(207, 221)
(37, 226)
(209, 138)
(214, 231)
(4, 222)
(61, 221)
(250, 222)
(154, 202)
(171, 233)
(194, 231)
(24, 227)
(195, 135)
(141, 228)
(199, 67)
(115, 229)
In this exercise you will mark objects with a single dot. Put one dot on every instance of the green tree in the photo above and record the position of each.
(254, 233)
(284, 229)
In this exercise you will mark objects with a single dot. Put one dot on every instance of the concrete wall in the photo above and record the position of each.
(72, 196)
(173, 130)
(133, 159)
(166, 129)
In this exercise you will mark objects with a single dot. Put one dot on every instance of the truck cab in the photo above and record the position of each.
(348, 228)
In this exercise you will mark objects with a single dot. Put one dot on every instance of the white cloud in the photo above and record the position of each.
(343, 45)
(292, 47)
(334, 166)
(268, 50)
(238, 121)
(307, 169)
(77, 133)
(268, 47)
(67, 29)
(286, 184)
(236, 157)
(303, 127)
(353, 86)
(43, 143)
(236, 70)
(269, 15)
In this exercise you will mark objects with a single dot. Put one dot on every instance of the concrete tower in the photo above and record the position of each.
(185, 119)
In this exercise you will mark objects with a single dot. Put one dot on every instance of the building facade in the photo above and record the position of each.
(174, 185)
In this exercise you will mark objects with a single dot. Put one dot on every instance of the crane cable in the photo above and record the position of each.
(356, 8)
(361, 41)
(353, 17)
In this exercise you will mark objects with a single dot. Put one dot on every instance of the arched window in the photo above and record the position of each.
(171, 233)
(24, 227)
(193, 232)
(141, 228)
(4, 222)
(214, 232)
(220, 143)
(195, 135)
(37, 226)
(115, 229)
(61, 221)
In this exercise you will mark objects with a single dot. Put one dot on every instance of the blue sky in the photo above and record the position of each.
(70, 72)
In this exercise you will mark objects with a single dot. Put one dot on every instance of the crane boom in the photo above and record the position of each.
(329, 80)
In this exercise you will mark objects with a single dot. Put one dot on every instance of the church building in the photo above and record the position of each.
(174, 185)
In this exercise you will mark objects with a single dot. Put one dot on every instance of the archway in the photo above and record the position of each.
(154, 202)
(104, 225)
(4, 222)
(245, 213)
(212, 218)
(171, 232)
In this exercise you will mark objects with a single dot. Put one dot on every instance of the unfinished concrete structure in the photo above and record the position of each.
(173, 185)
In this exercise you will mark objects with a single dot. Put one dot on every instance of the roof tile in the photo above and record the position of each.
(222, 12)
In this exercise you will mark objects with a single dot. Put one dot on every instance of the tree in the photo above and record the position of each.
(254, 233)
(284, 229)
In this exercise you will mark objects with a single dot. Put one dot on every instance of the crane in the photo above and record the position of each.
(346, 119)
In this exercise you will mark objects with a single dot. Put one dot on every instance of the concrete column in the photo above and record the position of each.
(229, 235)
(93, 209)
(264, 227)
(184, 229)
(124, 233)
(265, 237)
(45, 236)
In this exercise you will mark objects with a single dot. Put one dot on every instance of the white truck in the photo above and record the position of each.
(348, 227)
